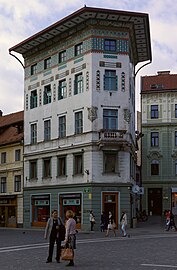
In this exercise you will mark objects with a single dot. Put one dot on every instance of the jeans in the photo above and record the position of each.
(123, 229)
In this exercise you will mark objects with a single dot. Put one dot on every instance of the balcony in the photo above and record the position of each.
(119, 139)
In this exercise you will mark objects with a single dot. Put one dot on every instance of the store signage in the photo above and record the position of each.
(86, 190)
(71, 202)
(41, 202)
(3, 201)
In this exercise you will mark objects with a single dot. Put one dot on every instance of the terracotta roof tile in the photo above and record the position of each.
(10, 129)
(161, 82)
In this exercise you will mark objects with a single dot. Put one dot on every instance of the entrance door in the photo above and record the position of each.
(110, 203)
(155, 201)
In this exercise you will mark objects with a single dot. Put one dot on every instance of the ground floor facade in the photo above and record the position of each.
(159, 197)
(11, 211)
(39, 202)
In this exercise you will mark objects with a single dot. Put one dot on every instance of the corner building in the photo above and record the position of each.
(79, 146)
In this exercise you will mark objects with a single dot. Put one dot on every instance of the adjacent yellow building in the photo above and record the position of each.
(11, 170)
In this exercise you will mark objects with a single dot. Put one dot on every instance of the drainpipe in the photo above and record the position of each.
(142, 67)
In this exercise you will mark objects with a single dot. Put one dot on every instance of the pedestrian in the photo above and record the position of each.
(167, 222)
(53, 231)
(70, 236)
(92, 219)
(103, 222)
(123, 222)
(111, 225)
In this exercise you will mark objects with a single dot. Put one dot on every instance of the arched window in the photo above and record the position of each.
(154, 167)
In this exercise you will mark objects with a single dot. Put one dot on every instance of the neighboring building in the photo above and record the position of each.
(79, 145)
(159, 144)
(11, 169)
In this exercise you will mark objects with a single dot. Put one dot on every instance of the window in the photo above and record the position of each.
(154, 111)
(78, 84)
(61, 166)
(33, 99)
(3, 157)
(175, 110)
(46, 167)
(154, 139)
(110, 45)
(110, 162)
(33, 69)
(62, 89)
(78, 161)
(17, 183)
(79, 49)
(110, 119)
(33, 133)
(62, 56)
(47, 130)
(47, 94)
(3, 185)
(17, 154)
(33, 169)
(155, 167)
(110, 80)
(62, 126)
(47, 63)
(78, 122)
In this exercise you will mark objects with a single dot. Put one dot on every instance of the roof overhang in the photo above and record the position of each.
(139, 23)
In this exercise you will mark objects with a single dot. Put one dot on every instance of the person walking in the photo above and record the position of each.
(123, 222)
(111, 225)
(52, 231)
(92, 219)
(103, 222)
(70, 236)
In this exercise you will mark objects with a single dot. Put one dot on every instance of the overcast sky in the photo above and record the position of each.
(20, 19)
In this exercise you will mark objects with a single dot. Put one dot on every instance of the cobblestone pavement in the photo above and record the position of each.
(147, 247)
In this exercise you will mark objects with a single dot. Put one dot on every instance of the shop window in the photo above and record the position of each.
(47, 167)
(17, 183)
(40, 209)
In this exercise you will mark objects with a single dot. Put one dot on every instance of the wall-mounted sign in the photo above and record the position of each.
(41, 202)
(71, 202)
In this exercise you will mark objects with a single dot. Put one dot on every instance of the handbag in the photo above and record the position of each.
(66, 254)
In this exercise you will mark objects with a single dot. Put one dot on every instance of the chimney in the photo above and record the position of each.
(165, 72)
(1, 113)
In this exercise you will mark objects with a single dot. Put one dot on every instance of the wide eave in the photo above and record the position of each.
(138, 21)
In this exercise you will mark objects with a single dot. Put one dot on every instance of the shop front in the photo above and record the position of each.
(8, 211)
(71, 202)
(40, 209)
(110, 204)
(174, 201)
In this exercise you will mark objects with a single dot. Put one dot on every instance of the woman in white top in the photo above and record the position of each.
(70, 236)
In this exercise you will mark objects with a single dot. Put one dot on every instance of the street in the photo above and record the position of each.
(27, 250)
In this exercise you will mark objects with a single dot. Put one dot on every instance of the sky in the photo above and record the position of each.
(20, 19)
